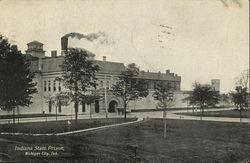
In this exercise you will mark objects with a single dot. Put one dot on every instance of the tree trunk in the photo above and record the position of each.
(201, 113)
(76, 111)
(13, 115)
(240, 113)
(56, 113)
(18, 111)
(125, 108)
(90, 111)
(165, 123)
(76, 101)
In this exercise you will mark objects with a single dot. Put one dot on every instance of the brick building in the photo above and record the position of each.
(46, 70)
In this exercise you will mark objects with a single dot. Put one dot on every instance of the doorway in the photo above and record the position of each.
(112, 107)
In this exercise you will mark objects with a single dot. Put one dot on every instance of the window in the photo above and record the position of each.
(49, 86)
(59, 107)
(83, 107)
(107, 85)
(50, 106)
(45, 86)
(54, 85)
(101, 83)
(59, 86)
(97, 106)
(155, 85)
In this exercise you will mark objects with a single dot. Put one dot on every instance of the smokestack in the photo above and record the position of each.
(53, 53)
(104, 58)
(64, 43)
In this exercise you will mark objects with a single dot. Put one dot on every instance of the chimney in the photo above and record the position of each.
(167, 71)
(53, 53)
(104, 58)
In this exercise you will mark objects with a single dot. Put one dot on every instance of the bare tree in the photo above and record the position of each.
(243, 79)
(164, 94)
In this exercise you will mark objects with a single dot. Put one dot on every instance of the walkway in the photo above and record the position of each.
(173, 115)
(150, 114)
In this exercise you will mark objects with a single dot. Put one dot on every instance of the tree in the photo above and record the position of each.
(129, 87)
(224, 99)
(79, 75)
(164, 94)
(243, 79)
(203, 96)
(240, 98)
(16, 79)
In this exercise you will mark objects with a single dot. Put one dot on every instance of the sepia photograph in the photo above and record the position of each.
(124, 81)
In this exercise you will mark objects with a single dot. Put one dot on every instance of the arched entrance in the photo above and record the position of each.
(112, 107)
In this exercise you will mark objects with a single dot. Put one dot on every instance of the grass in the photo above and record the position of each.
(187, 141)
(28, 116)
(223, 113)
(58, 126)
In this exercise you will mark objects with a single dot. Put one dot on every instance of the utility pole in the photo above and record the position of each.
(165, 116)
(105, 96)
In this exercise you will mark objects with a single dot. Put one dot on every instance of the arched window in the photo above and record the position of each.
(45, 86)
(59, 86)
(54, 86)
(49, 85)
(107, 85)
(97, 106)
(83, 107)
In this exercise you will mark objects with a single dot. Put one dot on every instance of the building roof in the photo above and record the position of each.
(159, 76)
(52, 64)
(35, 42)
(110, 67)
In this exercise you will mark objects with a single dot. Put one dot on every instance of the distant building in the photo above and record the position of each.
(46, 70)
(215, 83)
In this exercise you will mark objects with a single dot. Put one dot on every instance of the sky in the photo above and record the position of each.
(199, 40)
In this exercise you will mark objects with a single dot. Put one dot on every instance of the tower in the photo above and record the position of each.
(35, 49)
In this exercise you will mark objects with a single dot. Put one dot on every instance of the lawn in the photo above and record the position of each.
(59, 126)
(10, 116)
(187, 141)
(223, 113)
